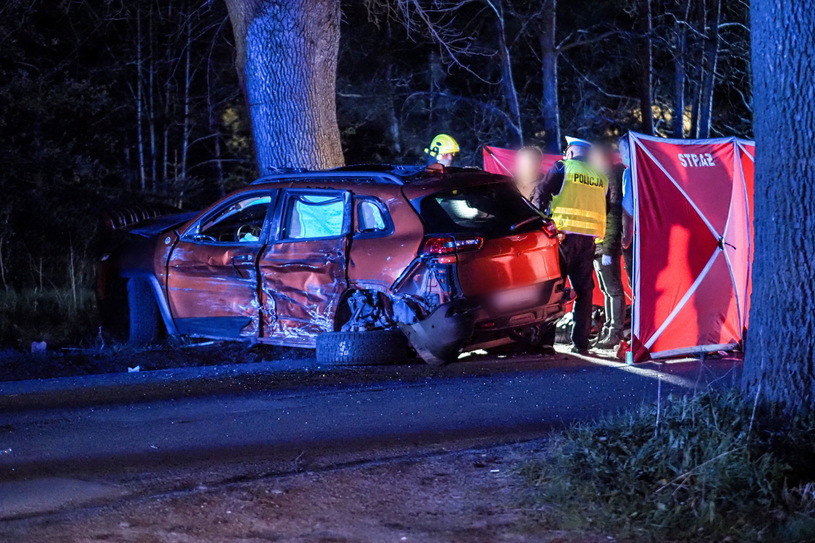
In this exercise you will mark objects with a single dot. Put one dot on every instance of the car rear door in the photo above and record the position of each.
(212, 279)
(303, 272)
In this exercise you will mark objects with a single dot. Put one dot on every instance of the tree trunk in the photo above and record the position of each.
(140, 103)
(780, 360)
(215, 133)
(709, 61)
(394, 124)
(679, 73)
(151, 102)
(287, 62)
(694, 108)
(436, 73)
(507, 80)
(550, 107)
(165, 149)
(646, 69)
(186, 127)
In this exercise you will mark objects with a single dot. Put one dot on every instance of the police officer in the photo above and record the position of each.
(442, 150)
(574, 194)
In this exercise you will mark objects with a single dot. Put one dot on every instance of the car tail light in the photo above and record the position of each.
(446, 248)
(550, 229)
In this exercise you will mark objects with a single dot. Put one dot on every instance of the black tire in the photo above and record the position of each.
(530, 337)
(145, 320)
(371, 348)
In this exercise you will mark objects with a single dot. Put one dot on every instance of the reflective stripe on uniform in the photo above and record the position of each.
(580, 207)
(581, 213)
(568, 224)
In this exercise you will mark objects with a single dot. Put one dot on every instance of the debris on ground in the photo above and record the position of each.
(16, 365)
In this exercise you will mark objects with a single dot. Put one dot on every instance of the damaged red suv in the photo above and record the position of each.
(364, 263)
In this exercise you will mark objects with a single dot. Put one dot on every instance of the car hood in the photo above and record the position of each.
(157, 225)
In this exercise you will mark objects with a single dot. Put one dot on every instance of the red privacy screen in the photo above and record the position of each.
(693, 244)
(500, 161)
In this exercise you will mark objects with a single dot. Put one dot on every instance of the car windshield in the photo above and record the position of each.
(487, 210)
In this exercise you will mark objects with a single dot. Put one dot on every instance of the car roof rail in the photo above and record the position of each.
(305, 176)
(389, 173)
(400, 170)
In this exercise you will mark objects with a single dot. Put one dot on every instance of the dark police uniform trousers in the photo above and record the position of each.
(577, 263)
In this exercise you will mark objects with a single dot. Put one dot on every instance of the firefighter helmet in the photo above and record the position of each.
(442, 145)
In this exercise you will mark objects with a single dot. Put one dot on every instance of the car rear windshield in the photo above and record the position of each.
(487, 210)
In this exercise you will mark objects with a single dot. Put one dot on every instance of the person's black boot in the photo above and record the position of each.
(584, 351)
(611, 341)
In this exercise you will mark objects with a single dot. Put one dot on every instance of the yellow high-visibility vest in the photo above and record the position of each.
(580, 207)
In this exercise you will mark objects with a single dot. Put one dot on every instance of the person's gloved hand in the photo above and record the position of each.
(606, 260)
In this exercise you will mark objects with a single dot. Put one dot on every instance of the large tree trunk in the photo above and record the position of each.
(646, 69)
(780, 361)
(709, 60)
(550, 108)
(287, 61)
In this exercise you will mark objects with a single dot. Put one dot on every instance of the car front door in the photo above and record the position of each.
(212, 279)
(303, 270)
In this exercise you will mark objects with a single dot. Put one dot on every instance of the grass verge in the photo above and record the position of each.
(705, 468)
(57, 316)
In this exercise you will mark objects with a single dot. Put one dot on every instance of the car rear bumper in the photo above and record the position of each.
(452, 326)
(546, 304)
(439, 337)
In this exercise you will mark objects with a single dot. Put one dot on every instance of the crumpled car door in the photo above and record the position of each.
(212, 279)
(303, 272)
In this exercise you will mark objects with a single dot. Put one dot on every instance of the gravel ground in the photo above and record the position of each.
(471, 496)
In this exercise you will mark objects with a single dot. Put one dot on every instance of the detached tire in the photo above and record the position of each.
(371, 348)
(145, 324)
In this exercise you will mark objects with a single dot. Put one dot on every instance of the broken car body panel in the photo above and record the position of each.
(212, 289)
(303, 269)
(293, 256)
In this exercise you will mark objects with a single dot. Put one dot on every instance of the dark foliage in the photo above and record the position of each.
(106, 103)
(705, 468)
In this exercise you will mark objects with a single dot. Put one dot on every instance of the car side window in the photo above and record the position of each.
(239, 222)
(310, 216)
(371, 218)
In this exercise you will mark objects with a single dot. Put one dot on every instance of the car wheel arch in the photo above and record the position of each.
(158, 297)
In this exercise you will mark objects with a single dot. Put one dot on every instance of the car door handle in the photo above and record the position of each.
(243, 258)
(295, 266)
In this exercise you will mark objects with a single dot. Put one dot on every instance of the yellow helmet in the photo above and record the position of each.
(441, 145)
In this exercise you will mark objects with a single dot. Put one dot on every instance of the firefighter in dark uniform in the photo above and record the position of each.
(573, 193)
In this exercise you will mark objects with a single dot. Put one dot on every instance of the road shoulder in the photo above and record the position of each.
(469, 495)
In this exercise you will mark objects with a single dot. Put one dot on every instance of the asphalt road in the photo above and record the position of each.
(488, 400)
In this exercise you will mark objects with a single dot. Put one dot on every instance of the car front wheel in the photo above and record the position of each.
(145, 321)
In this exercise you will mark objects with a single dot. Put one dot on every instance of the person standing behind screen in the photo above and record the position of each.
(527, 170)
(527, 174)
(574, 195)
(609, 248)
(628, 209)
